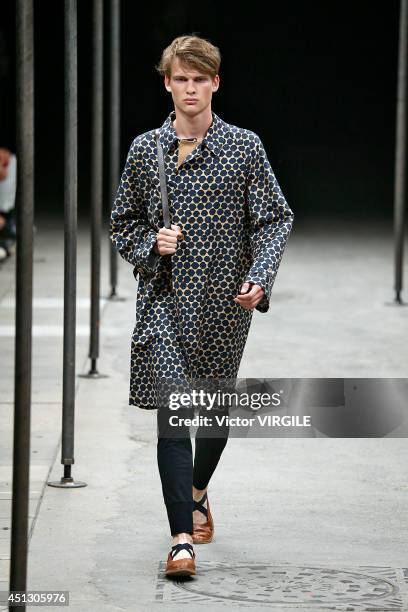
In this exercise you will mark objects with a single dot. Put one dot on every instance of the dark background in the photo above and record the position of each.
(316, 81)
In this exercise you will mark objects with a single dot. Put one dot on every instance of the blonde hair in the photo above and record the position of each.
(194, 51)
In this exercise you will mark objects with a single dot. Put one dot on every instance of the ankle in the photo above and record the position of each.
(182, 538)
(198, 493)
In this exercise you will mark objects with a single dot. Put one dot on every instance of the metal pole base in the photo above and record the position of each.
(67, 483)
(398, 301)
(93, 372)
(114, 297)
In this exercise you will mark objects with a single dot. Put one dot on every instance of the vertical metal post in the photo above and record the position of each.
(70, 242)
(96, 177)
(70, 231)
(114, 126)
(24, 297)
(400, 153)
(96, 184)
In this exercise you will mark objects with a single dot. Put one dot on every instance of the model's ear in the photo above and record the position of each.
(216, 82)
(167, 82)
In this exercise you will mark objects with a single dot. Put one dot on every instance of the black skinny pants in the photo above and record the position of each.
(175, 461)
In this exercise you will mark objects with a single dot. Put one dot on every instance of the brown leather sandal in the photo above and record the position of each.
(181, 567)
(203, 533)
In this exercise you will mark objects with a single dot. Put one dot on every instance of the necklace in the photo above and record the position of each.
(190, 139)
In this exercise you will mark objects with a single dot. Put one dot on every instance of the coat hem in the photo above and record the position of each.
(149, 407)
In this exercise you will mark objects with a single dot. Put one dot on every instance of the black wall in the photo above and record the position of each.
(316, 81)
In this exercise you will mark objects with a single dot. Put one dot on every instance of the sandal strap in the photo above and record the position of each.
(185, 546)
(198, 505)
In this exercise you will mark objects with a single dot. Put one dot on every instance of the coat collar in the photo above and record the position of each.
(214, 139)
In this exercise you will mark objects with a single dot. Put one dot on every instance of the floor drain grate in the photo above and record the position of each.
(286, 586)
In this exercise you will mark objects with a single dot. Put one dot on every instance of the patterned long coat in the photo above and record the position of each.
(236, 222)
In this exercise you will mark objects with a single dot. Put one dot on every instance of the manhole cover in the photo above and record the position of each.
(290, 586)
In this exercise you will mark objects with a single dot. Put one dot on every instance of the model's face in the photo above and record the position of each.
(191, 90)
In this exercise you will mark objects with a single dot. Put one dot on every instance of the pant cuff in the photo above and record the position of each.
(180, 515)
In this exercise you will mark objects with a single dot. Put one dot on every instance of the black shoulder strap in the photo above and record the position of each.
(163, 185)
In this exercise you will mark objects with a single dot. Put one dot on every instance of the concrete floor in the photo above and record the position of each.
(316, 524)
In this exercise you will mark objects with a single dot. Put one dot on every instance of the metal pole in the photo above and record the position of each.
(96, 178)
(114, 126)
(70, 242)
(96, 184)
(400, 153)
(24, 297)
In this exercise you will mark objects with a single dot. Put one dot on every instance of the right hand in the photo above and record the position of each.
(166, 243)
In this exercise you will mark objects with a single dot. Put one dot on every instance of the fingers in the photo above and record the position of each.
(166, 246)
(246, 287)
(177, 229)
(167, 239)
(167, 250)
(175, 232)
(251, 299)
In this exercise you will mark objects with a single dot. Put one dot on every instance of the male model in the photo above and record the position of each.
(201, 279)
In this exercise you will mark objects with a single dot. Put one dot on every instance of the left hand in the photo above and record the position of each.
(252, 298)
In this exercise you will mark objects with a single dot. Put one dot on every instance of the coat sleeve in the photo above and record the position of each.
(271, 222)
(130, 232)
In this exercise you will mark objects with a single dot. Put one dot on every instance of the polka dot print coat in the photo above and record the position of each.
(235, 221)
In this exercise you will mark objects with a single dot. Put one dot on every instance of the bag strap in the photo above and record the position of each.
(163, 185)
